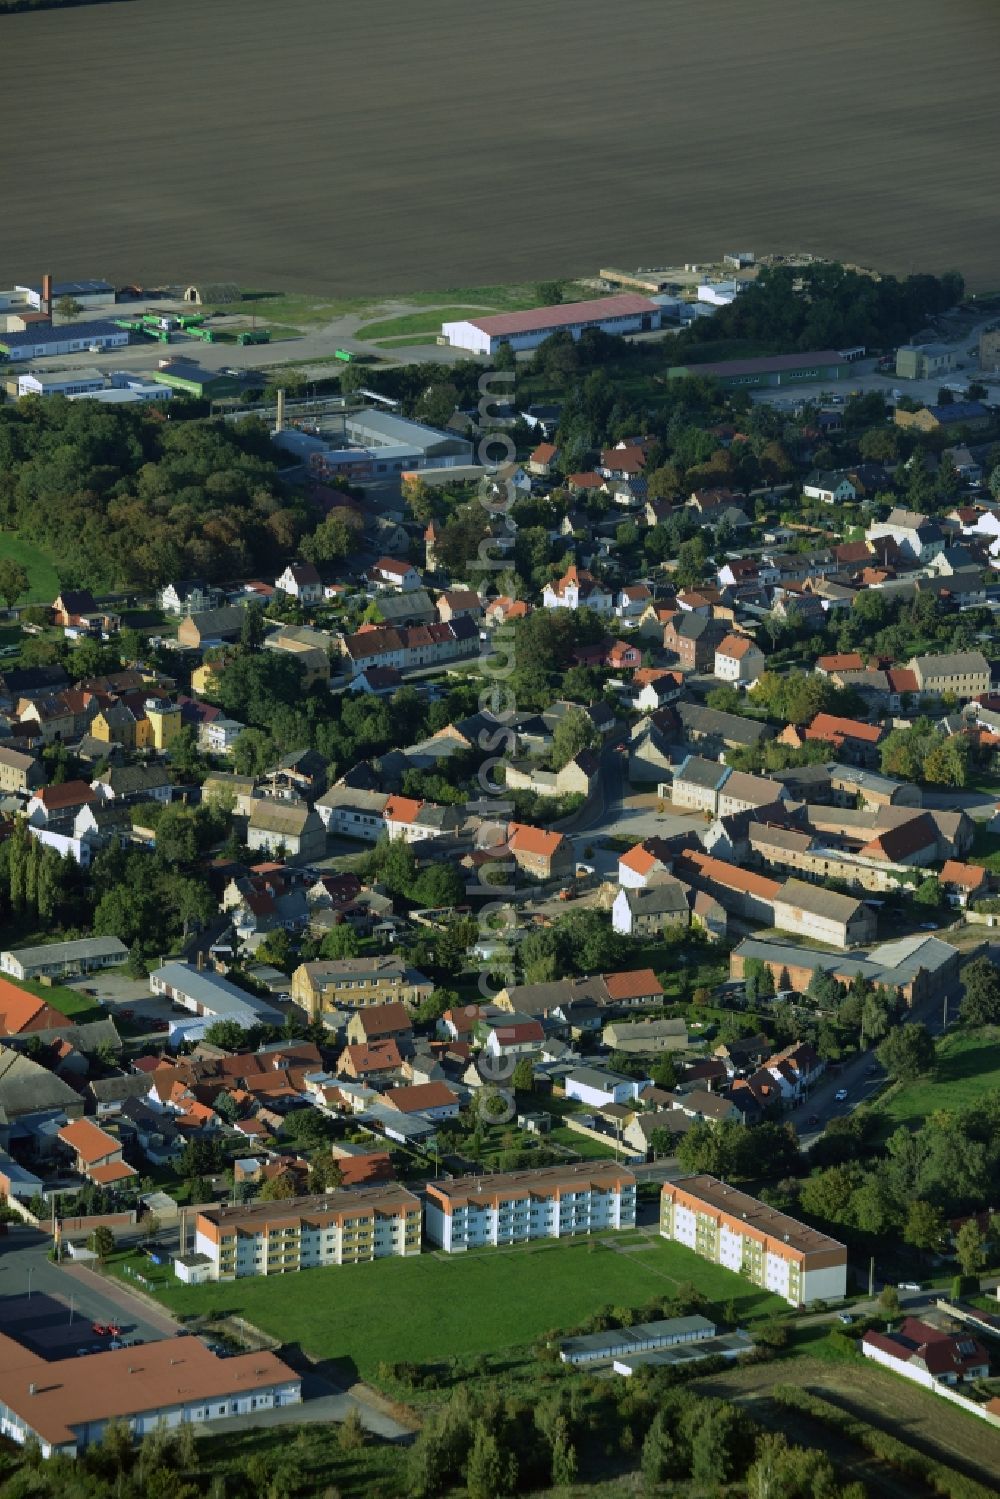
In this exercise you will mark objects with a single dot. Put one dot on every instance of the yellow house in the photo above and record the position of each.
(164, 719)
(115, 723)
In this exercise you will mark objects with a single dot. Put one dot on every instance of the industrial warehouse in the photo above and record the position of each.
(628, 313)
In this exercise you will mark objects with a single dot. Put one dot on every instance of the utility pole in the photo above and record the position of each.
(871, 1277)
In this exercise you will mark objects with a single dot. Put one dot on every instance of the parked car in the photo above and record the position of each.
(841, 1095)
(846, 1318)
(909, 1285)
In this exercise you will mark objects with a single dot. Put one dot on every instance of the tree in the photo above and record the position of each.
(101, 1242)
(69, 308)
(488, 1473)
(574, 732)
(252, 628)
(969, 1242)
(226, 1034)
(439, 885)
(326, 1174)
(928, 893)
(981, 1000)
(278, 1188)
(888, 1301)
(659, 1451)
(341, 941)
(925, 1226)
(253, 752)
(14, 581)
(664, 1072)
(352, 1435)
(692, 559)
(523, 1080)
(907, 1052)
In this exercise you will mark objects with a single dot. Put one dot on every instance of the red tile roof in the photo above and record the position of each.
(634, 983)
(828, 726)
(418, 1096)
(628, 304)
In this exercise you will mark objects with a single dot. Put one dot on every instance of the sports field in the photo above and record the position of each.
(968, 1066)
(414, 1309)
(342, 151)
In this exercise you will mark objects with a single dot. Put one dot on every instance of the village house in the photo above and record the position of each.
(211, 627)
(395, 572)
(694, 639)
(644, 913)
(822, 915)
(97, 1155)
(854, 741)
(577, 589)
(458, 602)
(188, 596)
(539, 853)
(927, 1355)
(292, 831)
(302, 582)
(961, 675)
(543, 459)
(19, 772)
(739, 659)
(356, 983)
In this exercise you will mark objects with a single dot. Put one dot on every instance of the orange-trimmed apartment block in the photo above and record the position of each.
(768, 1248)
(338, 1228)
(513, 1207)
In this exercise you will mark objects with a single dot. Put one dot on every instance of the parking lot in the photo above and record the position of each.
(53, 1309)
(126, 1000)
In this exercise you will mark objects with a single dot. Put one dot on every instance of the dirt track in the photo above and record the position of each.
(338, 148)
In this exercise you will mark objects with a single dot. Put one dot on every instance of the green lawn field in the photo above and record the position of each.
(483, 1302)
(428, 322)
(968, 1066)
(43, 580)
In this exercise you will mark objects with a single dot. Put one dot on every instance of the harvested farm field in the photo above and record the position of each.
(355, 151)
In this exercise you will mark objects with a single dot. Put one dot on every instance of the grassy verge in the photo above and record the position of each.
(414, 341)
(468, 1304)
(428, 321)
(43, 580)
(968, 1066)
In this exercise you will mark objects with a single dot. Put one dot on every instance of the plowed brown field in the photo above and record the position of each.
(353, 149)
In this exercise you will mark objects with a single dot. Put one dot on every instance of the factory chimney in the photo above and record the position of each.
(279, 425)
(47, 294)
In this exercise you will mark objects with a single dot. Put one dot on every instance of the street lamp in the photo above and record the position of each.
(31, 1271)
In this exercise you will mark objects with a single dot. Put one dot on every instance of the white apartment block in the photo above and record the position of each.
(338, 1228)
(766, 1247)
(554, 1202)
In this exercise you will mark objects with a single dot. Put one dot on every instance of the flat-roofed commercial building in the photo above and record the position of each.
(627, 313)
(774, 369)
(68, 1403)
(554, 1202)
(59, 959)
(337, 1228)
(744, 1235)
